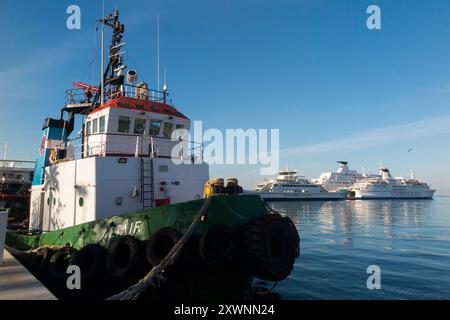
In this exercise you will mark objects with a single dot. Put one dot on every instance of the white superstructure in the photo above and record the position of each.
(123, 162)
(131, 153)
(343, 178)
(385, 186)
(289, 186)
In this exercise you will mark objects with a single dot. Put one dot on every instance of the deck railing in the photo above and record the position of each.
(83, 96)
(111, 144)
(17, 164)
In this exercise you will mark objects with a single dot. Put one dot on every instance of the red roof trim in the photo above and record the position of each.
(140, 105)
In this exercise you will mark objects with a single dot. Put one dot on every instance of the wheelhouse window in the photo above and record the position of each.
(167, 130)
(88, 128)
(154, 128)
(124, 124)
(95, 126)
(179, 131)
(102, 123)
(139, 126)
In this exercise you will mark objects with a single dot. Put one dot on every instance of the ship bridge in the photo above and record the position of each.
(133, 122)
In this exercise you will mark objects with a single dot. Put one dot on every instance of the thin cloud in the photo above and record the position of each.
(375, 137)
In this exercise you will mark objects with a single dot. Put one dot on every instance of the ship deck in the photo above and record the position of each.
(16, 283)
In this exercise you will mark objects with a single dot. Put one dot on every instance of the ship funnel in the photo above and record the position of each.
(132, 77)
(385, 174)
(343, 167)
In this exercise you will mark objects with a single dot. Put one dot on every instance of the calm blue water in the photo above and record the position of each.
(408, 239)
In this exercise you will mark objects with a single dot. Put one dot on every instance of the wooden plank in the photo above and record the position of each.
(17, 283)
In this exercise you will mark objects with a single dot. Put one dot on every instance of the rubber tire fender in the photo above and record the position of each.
(160, 244)
(295, 235)
(60, 261)
(124, 256)
(91, 261)
(39, 265)
(269, 247)
(218, 245)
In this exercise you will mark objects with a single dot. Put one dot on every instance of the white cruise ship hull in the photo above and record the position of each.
(390, 193)
(322, 196)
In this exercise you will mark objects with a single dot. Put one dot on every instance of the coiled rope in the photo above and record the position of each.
(156, 274)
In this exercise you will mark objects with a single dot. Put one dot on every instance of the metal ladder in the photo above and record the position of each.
(147, 192)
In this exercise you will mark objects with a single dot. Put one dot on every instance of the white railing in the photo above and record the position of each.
(17, 164)
(103, 144)
(78, 95)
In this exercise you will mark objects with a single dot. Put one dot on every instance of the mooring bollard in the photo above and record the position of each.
(3, 224)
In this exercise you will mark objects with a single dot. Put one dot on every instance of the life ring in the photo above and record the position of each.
(160, 244)
(269, 247)
(124, 256)
(91, 261)
(60, 261)
(218, 245)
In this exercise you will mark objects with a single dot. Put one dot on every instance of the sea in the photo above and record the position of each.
(369, 249)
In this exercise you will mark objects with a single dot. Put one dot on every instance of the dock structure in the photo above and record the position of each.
(17, 283)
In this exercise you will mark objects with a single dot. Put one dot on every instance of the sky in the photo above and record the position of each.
(310, 68)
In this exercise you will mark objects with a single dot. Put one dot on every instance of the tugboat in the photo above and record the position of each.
(15, 182)
(129, 202)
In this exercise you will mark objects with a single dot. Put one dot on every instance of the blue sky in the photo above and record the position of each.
(336, 90)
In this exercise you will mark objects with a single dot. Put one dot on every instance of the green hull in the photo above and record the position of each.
(195, 281)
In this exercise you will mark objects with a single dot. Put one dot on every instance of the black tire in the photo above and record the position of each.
(91, 261)
(124, 257)
(41, 261)
(218, 245)
(295, 235)
(34, 261)
(191, 254)
(60, 261)
(269, 248)
(160, 244)
(23, 257)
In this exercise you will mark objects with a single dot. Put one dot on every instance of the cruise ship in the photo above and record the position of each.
(288, 186)
(343, 178)
(385, 186)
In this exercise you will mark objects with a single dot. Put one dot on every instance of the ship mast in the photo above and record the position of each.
(112, 75)
(5, 150)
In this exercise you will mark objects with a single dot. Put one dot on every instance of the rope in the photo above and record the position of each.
(14, 251)
(156, 273)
